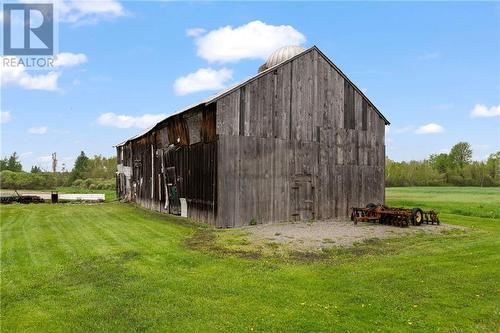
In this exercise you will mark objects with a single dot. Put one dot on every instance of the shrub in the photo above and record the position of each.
(87, 182)
(33, 181)
(95, 184)
(77, 183)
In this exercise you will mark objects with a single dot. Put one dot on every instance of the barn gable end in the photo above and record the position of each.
(288, 151)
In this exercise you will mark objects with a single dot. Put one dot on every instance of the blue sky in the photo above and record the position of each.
(433, 69)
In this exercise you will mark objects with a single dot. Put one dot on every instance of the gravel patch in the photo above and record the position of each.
(325, 234)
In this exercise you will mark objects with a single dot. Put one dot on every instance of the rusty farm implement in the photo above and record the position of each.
(401, 217)
(21, 198)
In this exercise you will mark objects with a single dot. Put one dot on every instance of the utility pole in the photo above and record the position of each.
(54, 162)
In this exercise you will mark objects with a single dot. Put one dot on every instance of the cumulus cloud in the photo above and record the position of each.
(67, 59)
(203, 79)
(5, 117)
(481, 110)
(124, 121)
(38, 130)
(87, 11)
(254, 40)
(429, 129)
(19, 76)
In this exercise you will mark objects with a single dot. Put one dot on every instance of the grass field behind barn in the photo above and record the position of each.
(117, 268)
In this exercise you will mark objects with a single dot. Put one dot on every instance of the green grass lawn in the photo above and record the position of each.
(116, 268)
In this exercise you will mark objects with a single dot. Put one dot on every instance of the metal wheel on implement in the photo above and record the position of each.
(417, 216)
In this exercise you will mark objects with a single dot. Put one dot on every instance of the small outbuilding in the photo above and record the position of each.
(297, 141)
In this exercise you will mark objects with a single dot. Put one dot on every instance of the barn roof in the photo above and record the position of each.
(219, 95)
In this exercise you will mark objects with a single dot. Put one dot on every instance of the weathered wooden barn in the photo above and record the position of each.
(297, 141)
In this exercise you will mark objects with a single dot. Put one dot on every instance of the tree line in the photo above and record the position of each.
(454, 169)
(96, 172)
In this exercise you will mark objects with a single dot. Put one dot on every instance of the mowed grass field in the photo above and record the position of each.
(116, 268)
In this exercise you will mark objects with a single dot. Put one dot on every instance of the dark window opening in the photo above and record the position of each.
(364, 114)
(242, 110)
(349, 119)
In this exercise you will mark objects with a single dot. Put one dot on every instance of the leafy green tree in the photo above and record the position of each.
(3, 164)
(102, 167)
(460, 155)
(11, 163)
(35, 169)
(81, 167)
(493, 166)
(440, 162)
(14, 164)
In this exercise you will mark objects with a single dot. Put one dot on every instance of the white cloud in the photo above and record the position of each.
(5, 117)
(38, 130)
(254, 40)
(481, 110)
(195, 32)
(18, 76)
(67, 59)
(124, 121)
(203, 79)
(85, 11)
(429, 128)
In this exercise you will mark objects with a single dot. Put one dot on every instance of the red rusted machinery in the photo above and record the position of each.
(401, 217)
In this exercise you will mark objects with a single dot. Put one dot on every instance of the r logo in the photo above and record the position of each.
(28, 29)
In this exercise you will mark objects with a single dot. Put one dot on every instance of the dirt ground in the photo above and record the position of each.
(325, 234)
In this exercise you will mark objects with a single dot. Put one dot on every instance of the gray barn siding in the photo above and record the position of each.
(286, 129)
(279, 147)
(148, 156)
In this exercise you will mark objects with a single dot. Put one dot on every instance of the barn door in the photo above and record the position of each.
(302, 198)
(174, 204)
